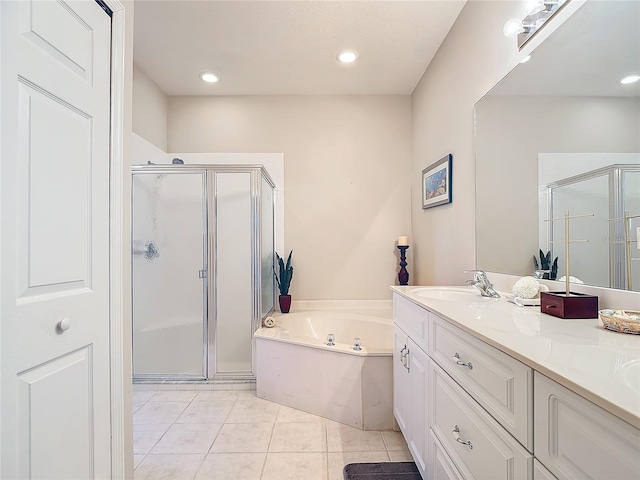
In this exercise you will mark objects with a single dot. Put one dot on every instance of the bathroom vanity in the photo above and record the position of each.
(486, 389)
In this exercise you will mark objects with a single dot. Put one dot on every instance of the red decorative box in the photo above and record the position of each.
(575, 305)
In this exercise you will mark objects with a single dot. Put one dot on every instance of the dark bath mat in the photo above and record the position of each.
(381, 471)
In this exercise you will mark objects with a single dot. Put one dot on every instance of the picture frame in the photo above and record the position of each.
(436, 183)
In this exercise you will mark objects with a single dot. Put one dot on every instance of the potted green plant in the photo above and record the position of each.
(283, 279)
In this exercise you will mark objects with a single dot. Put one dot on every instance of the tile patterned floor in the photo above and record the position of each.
(232, 434)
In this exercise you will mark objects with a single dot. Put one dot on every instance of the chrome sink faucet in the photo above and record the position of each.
(482, 283)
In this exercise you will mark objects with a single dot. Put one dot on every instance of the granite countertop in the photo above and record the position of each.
(598, 364)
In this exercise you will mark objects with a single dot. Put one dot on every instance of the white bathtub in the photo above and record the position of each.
(295, 366)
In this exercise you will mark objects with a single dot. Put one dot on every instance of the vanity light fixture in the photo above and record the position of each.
(209, 77)
(536, 12)
(633, 78)
(347, 56)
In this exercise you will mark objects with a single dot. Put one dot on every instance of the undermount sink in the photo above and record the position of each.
(451, 294)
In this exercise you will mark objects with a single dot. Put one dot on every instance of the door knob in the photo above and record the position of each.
(63, 325)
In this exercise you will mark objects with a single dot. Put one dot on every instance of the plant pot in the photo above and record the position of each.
(285, 303)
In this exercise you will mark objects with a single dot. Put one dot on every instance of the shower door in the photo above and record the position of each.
(590, 254)
(599, 256)
(169, 275)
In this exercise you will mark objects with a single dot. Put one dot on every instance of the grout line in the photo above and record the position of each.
(200, 467)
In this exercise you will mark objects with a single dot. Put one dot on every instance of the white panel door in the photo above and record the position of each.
(54, 244)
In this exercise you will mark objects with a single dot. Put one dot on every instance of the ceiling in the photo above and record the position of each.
(586, 56)
(269, 47)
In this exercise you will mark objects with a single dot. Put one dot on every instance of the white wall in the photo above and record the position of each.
(149, 109)
(347, 163)
(471, 60)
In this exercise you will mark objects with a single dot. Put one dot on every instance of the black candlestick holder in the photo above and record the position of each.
(403, 275)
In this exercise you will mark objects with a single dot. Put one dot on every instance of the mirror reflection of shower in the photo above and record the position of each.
(607, 191)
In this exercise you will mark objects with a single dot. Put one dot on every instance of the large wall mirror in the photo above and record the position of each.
(560, 133)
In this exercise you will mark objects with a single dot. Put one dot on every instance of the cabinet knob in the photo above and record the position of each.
(63, 325)
(456, 359)
(456, 434)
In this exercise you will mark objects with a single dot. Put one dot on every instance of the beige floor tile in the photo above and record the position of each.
(298, 437)
(143, 396)
(243, 437)
(205, 412)
(137, 404)
(295, 466)
(400, 456)
(338, 460)
(250, 397)
(231, 466)
(137, 459)
(146, 435)
(288, 414)
(159, 412)
(254, 411)
(169, 467)
(174, 396)
(188, 438)
(343, 438)
(394, 440)
(217, 396)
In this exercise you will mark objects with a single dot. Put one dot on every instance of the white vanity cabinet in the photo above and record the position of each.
(473, 407)
(410, 366)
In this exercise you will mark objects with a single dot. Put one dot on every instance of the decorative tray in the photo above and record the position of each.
(623, 321)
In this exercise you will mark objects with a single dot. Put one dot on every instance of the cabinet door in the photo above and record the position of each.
(417, 408)
(400, 379)
(576, 439)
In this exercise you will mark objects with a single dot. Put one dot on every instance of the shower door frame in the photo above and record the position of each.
(165, 170)
(210, 200)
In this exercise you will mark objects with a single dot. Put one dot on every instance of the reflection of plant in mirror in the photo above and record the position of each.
(545, 260)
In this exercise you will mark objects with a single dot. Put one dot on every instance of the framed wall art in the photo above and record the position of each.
(436, 183)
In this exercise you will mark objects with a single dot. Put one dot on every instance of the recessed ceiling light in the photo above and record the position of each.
(347, 56)
(209, 77)
(526, 59)
(630, 79)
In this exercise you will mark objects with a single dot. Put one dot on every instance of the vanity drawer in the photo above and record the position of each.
(441, 466)
(576, 439)
(491, 452)
(412, 319)
(540, 472)
(498, 382)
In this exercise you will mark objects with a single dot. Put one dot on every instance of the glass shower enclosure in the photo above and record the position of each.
(203, 246)
(603, 257)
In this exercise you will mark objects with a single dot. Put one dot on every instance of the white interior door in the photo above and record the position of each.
(54, 243)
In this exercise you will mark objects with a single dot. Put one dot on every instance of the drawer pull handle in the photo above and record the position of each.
(402, 354)
(456, 358)
(403, 357)
(550, 306)
(456, 434)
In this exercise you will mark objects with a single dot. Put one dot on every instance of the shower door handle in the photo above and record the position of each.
(202, 274)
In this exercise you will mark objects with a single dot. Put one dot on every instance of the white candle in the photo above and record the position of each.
(403, 241)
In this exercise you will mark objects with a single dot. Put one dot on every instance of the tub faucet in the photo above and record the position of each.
(482, 283)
